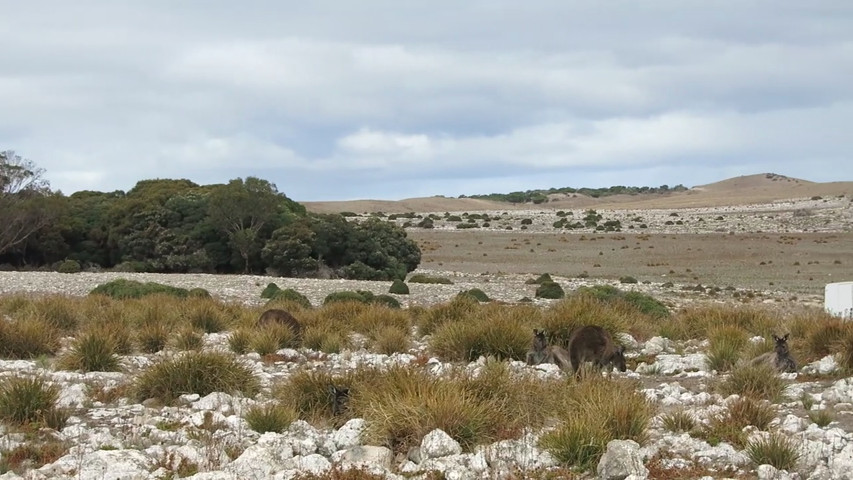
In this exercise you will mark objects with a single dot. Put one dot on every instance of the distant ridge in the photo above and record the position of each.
(743, 190)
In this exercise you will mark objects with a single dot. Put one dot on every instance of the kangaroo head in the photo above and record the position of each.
(539, 341)
(617, 358)
(340, 396)
(781, 344)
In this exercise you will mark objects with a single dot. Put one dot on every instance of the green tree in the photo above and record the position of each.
(241, 209)
(23, 192)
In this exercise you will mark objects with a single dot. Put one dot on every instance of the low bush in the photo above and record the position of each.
(627, 279)
(270, 290)
(30, 400)
(645, 304)
(69, 266)
(399, 287)
(544, 278)
(195, 372)
(550, 290)
(272, 417)
(291, 295)
(421, 278)
(386, 300)
(476, 294)
(344, 296)
(122, 288)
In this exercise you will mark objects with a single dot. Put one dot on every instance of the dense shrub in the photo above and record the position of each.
(421, 278)
(476, 294)
(644, 303)
(544, 278)
(69, 266)
(399, 287)
(122, 288)
(344, 296)
(550, 290)
(291, 295)
(386, 300)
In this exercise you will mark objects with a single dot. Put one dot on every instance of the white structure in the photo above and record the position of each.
(838, 299)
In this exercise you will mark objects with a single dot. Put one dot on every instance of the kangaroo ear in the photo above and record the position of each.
(775, 338)
(535, 331)
(785, 338)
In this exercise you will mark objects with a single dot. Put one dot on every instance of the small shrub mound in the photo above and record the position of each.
(399, 287)
(551, 290)
(344, 296)
(386, 300)
(122, 288)
(195, 372)
(544, 278)
(272, 417)
(69, 266)
(30, 400)
(646, 304)
(270, 290)
(91, 352)
(476, 294)
(627, 279)
(421, 278)
(273, 293)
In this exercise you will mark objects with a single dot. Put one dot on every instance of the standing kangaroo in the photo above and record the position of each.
(592, 343)
(541, 352)
(780, 358)
(281, 317)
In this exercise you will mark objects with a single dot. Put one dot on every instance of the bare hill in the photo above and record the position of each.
(744, 190)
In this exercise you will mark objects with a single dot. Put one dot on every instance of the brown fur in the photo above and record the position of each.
(592, 343)
(281, 317)
(780, 358)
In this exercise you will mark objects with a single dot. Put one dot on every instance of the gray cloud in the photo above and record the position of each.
(379, 99)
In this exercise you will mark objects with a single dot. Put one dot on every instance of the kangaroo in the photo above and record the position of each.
(340, 399)
(541, 352)
(780, 358)
(592, 343)
(281, 317)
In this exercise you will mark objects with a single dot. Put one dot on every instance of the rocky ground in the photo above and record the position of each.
(125, 440)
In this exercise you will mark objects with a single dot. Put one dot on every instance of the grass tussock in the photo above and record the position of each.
(272, 417)
(205, 315)
(28, 338)
(239, 341)
(117, 330)
(188, 338)
(496, 331)
(307, 392)
(821, 338)
(728, 426)
(641, 302)
(374, 318)
(153, 336)
(389, 340)
(579, 310)
(593, 413)
(30, 401)
(64, 313)
(727, 343)
(90, 352)
(325, 337)
(678, 421)
(776, 450)
(822, 417)
(195, 372)
(458, 309)
(698, 322)
(755, 381)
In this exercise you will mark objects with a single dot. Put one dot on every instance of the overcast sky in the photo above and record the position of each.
(390, 99)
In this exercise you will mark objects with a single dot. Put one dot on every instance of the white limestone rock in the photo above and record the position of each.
(437, 443)
(620, 460)
(349, 435)
(364, 456)
(656, 346)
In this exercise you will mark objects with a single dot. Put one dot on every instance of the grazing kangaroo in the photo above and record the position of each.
(592, 343)
(541, 352)
(340, 399)
(780, 358)
(281, 317)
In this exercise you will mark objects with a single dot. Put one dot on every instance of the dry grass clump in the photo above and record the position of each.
(563, 317)
(24, 338)
(205, 314)
(776, 450)
(239, 341)
(728, 427)
(461, 307)
(822, 417)
(62, 312)
(499, 331)
(678, 421)
(754, 381)
(325, 337)
(389, 340)
(699, 321)
(819, 336)
(32, 455)
(373, 318)
(594, 412)
(195, 372)
(30, 402)
(188, 338)
(727, 343)
(90, 352)
(308, 392)
(272, 417)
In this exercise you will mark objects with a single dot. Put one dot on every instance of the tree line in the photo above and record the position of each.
(541, 195)
(177, 226)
